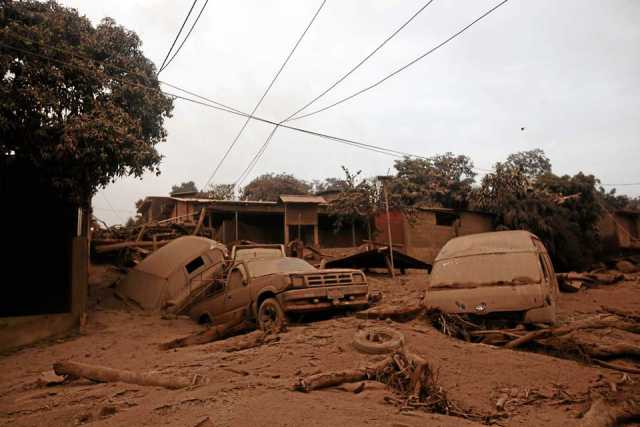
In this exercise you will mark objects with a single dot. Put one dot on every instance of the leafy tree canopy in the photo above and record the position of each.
(184, 187)
(269, 187)
(220, 192)
(75, 102)
(357, 199)
(532, 163)
(562, 210)
(329, 184)
(443, 180)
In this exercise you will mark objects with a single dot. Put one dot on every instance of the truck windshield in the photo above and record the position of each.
(486, 269)
(250, 253)
(264, 267)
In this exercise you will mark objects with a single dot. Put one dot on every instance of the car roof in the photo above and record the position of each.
(488, 243)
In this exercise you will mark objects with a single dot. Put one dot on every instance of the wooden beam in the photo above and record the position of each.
(200, 221)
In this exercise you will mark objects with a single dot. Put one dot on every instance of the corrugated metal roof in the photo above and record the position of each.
(225, 202)
(287, 198)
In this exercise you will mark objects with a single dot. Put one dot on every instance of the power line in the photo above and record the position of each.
(264, 147)
(365, 59)
(256, 158)
(371, 147)
(111, 206)
(404, 67)
(233, 143)
(223, 107)
(185, 38)
(177, 35)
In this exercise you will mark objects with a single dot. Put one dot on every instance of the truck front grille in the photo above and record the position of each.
(329, 279)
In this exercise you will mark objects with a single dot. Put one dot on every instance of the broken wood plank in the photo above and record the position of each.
(128, 244)
(200, 221)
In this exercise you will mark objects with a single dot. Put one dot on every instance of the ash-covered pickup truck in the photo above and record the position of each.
(265, 289)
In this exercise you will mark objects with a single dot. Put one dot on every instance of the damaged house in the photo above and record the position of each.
(426, 231)
(291, 217)
(307, 218)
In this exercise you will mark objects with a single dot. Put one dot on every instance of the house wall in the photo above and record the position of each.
(331, 238)
(260, 228)
(49, 296)
(422, 237)
(619, 232)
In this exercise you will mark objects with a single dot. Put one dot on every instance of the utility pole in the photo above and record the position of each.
(385, 179)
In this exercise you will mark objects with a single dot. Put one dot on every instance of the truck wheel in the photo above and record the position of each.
(377, 340)
(270, 315)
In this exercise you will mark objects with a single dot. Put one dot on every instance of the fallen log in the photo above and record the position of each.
(214, 333)
(104, 375)
(616, 367)
(609, 321)
(401, 313)
(250, 340)
(630, 315)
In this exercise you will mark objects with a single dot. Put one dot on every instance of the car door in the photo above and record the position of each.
(211, 308)
(237, 299)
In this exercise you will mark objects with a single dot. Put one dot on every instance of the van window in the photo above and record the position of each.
(544, 268)
(194, 265)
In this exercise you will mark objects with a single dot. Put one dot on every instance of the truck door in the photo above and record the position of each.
(237, 298)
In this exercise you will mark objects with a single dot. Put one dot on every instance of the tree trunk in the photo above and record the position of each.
(212, 334)
(105, 375)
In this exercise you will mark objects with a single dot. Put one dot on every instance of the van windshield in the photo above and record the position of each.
(486, 269)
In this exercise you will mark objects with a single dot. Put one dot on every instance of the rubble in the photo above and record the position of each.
(573, 282)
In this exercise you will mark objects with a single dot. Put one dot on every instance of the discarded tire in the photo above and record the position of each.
(377, 340)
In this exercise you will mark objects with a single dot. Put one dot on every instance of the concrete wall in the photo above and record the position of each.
(424, 237)
(22, 330)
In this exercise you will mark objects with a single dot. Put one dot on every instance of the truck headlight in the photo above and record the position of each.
(297, 281)
(358, 277)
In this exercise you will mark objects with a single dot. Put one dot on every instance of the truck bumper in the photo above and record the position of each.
(325, 298)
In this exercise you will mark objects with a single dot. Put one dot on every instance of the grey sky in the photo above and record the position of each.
(567, 71)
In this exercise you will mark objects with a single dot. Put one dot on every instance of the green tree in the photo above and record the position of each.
(269, 187)
(562, 210)
(329, 184)
(220, 192)
(356, 201)
(81, 105)
(185, 187)
(532, 163)
(442, 180)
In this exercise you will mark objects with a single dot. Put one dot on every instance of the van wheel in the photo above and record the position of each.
(270, 315)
